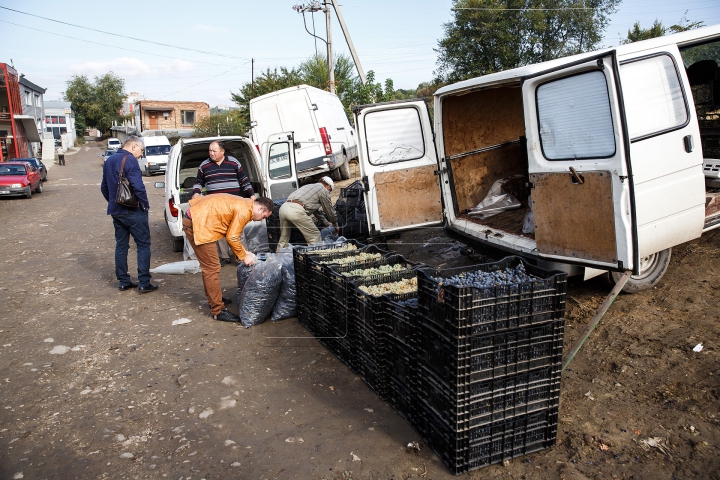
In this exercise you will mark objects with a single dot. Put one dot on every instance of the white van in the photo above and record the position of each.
(155, 157)
(187, 155)
(324, 139)
(609, 143)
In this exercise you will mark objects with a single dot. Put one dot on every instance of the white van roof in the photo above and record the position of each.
(688, 38)
(312, 91)
(156, 140)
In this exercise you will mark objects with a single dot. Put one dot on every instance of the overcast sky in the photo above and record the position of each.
(217, 40)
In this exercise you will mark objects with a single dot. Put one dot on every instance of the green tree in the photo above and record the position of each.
(98, 103)
(657, 29)
(487, 36)
(229, 123)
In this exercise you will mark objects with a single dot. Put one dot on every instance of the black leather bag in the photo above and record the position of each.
(125, 195)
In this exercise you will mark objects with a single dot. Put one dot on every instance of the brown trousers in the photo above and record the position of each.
(207, 256)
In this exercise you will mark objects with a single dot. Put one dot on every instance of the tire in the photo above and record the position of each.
(39, 187)
(178, 244)
(335, 174)
(145, 172)
(652, 269)
(29, 192)
(344, 170)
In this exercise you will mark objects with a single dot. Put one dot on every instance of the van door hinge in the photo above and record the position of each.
(438, 172)
(623, 178)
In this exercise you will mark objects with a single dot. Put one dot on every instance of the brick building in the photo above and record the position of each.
(168, 116)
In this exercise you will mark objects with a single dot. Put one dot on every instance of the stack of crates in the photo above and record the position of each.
(488, 365)
(350, 211)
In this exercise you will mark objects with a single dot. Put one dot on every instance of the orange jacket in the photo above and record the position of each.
(221, 215)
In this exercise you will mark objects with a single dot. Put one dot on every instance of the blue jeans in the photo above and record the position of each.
(135, 223)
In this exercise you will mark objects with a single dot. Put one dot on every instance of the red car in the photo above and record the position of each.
(19, 178)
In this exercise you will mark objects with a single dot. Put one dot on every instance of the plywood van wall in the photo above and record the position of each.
(482, 118)
(478, 120)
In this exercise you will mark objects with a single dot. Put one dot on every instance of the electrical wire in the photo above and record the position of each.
(124, 36)
(308, 31)
(107, 45)
(206, 80)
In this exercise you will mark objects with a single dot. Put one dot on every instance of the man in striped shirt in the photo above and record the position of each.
(222, 174)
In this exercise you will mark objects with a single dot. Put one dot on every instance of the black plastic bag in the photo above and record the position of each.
(285, 305)
(260, 291)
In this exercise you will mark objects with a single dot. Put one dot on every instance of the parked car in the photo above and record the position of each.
(35, 163)
(19, 178)
(324, 140)
(113, 144)
(155, 155)
(107, 154)
(609, 146)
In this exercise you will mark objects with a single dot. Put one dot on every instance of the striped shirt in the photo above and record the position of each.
(227, 177)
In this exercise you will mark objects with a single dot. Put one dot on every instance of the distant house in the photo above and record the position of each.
(31, 97)
(169, 117)
(17, 130)
(128, 105)
(60, 121)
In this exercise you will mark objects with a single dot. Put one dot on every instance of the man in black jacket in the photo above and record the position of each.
(129, 221)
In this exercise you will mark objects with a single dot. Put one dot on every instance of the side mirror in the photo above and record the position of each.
(159, 184)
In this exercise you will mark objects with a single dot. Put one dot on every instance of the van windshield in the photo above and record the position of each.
(157, 150)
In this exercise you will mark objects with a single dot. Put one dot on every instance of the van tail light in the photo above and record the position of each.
(173, 209)
(258, 149)
(326, 140)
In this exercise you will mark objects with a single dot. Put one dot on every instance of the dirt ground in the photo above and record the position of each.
(98, 383)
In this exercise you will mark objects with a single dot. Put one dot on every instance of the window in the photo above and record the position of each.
(574, 118)
(188, 117)
(279, 161)
(28, 98)
(54, 120)
(62, 120)
(394, 136)
(157, 150)
(654, 100)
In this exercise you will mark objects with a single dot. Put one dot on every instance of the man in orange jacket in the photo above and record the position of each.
(211, 218)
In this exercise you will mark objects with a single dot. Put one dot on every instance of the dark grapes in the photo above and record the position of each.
(410, 302)
(480, 279)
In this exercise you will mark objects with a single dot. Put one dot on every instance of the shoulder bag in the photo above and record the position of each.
(125, 195)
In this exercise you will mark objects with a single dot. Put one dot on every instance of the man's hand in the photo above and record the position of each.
(337, 230)
(196, 195)
(249, 259)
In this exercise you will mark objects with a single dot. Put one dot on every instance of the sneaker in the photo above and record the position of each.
(224, 261)
(226, 316)
(226, 301)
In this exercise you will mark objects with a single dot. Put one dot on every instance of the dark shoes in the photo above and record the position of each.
(226, 301)
(123, 288)
(150, 288)
(224, 261)
(226, 316)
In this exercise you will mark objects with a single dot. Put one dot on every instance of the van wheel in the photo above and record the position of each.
(344, 170)
(335, 174)
(178, 244)
(652, 269)
(146, 173)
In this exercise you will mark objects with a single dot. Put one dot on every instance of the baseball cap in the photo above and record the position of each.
(328, 181)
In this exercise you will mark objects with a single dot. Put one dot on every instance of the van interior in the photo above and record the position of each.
(196, 153)
(495, 148)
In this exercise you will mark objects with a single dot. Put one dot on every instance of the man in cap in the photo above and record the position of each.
(211, 218)
(303, 202)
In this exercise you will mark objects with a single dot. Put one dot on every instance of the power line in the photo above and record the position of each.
(125, 36)
(106, 45)
(207, 80)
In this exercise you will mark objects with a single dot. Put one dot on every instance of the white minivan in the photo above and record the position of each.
(610, 145)
(275, 177)
(324, 139)
(155, 157)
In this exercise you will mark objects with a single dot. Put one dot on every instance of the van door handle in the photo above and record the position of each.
(688, 140)
(294, 185)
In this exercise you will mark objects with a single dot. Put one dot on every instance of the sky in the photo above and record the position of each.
(203, 50)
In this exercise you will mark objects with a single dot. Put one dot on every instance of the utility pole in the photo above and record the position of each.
(354, 54)
(252, 79)
(331, 69)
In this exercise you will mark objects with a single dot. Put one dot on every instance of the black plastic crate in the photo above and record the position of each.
(316, 266)
(301, 254)
(339, 284)
(464, 360)
(488, 444)
(480, 403)
(471, 310)
(402, 318)
(402, 399)
(401, 364)
(373, 373)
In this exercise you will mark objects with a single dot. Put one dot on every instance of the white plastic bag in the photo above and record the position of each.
(496, 201)
(178, 268)
(529, 220)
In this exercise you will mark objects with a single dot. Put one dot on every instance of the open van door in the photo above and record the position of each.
(580, 175)
(398, 165)
(279, 165)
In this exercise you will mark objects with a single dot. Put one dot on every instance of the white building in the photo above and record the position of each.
(60, 121)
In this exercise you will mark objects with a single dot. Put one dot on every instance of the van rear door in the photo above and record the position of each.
(398, 165)
(580, 175)
(279, 165)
